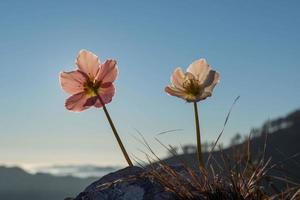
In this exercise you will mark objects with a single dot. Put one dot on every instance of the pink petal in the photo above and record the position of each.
(91, 101)
(77, 102)
(106, 85)
(174, 92)
(72, 82)
(106, 95)
(199, 69)
(88, 63)
(178, 78)
(108, 72)
(98, 104)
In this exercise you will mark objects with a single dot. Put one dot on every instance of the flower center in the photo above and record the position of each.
(91, 87)
(193, 87)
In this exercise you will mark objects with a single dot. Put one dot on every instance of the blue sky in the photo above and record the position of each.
(253, 44)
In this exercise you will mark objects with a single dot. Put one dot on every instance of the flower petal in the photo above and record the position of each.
(90, 101)
(178, 78)
(108, 72)
(204, 95)
(98, 104)
(174, 92)
(199, 69)
(77, 102)
(211, 81)
(88, 63)
(72, 82)
(189, 76)
(106, 94)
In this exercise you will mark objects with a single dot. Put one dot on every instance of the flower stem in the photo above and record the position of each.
(115, 132)
(199, 151)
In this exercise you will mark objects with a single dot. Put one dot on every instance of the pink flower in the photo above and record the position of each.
(194, 85)
(88, 82)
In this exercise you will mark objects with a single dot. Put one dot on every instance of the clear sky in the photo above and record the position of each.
(253, 44)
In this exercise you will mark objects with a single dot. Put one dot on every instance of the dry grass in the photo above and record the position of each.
(236, 177)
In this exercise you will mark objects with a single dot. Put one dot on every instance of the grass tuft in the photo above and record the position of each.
(233, 177)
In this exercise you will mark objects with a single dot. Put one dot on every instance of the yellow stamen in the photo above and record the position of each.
(193, 87)
(91, 87)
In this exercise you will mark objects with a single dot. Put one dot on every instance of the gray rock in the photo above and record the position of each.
(131, 183)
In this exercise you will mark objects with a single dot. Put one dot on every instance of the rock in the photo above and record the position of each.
(131, 183)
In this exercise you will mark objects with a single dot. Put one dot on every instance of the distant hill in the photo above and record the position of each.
(16, 184)
(79, 171)
(283, 135)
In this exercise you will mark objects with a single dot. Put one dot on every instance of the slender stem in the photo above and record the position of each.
(199, 151)
(115, 132)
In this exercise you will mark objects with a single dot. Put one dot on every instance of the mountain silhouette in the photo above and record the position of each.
(16, 184)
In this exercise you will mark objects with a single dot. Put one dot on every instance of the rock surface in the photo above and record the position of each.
(130, 183)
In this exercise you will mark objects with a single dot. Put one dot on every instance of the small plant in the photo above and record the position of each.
(91, 84)
(193, 86)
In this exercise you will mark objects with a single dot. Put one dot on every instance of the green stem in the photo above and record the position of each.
(115, 132)
(199, 151)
